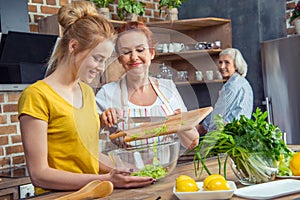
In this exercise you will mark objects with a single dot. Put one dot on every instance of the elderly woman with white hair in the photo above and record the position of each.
(236, 96)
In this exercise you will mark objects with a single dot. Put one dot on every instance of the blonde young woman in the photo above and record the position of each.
(137, 94)
(58, 115)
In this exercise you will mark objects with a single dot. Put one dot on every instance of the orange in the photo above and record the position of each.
(295, 164)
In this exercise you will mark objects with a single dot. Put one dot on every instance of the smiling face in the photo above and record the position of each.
(226, 66)
(94, 63)
(135, 54)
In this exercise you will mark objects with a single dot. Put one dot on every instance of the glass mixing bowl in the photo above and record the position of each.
(154, 160)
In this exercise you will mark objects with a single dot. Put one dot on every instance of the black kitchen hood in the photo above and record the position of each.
(24, 56)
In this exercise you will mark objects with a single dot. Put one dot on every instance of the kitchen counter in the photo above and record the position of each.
(9, 187)
(12, 182)
(163, 189)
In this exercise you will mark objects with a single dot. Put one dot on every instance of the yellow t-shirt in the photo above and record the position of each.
(72, 132)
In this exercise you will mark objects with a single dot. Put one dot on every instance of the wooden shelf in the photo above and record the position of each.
(117, 23)
(194, 82)
(189, 32)
(49, 25)
(185, 54)
(190, 24)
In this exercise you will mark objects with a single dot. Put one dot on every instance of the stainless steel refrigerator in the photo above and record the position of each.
(281, 77)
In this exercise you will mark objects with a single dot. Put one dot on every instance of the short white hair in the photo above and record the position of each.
(238, 60)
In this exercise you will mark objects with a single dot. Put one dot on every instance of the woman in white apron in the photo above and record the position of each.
(136, 94)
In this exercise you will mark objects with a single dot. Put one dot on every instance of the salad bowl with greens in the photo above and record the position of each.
(252, 147)
(155, 160)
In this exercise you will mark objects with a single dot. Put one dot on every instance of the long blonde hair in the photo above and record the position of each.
(80, 21)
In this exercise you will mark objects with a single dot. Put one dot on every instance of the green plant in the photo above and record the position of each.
(102, 3)
(295, 13)
(130, 7)
(253, 144)
(170, 3)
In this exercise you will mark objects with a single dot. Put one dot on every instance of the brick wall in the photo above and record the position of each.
(290, 5)
(11, 150)
(43, 8)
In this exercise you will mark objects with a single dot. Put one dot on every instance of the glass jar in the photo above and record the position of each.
(164, 71)
(199, 76)
(253, 169)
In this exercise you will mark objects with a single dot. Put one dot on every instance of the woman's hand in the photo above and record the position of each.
(110, 117)
(122, 179)
(177, 111)
(201, 130)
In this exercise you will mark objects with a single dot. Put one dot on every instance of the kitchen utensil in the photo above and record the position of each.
(173, 124)
(159, 48)
(269, 190)
(182, 75)
(178, 46)
(189, 47)
(155, 160)
(199, 75)
(171, 48)
(201, 45)
(165, 48)
(94, 189)
(219, 75)
(145, 119)
(209, 75)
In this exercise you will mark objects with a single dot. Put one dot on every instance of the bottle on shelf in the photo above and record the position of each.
(165, 72)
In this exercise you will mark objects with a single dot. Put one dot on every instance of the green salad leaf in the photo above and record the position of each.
(153, 171)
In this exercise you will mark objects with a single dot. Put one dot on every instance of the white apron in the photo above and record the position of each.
(160, 107)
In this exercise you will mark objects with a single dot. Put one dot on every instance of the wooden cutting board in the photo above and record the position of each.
(173, 124)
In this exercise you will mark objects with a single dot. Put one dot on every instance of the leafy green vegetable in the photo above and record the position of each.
(283, 169)
(136, 135)
(253, 145)
(154, 148)
(157, 131)
(155, 170)
(151, 171)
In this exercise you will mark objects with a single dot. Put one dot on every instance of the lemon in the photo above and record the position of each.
(210, 178)
(183, 177)
(218, 184)
(186, 183)
(295, 164)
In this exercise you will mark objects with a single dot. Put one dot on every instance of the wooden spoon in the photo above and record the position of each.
(94, 189)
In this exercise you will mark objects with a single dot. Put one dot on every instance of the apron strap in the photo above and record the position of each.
(166, 105)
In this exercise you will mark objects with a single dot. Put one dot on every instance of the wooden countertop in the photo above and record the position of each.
(163, 189)
(12, 182)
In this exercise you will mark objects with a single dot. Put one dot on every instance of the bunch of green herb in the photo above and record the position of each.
(254, 145)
